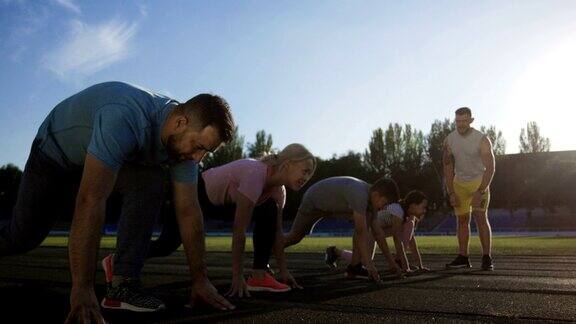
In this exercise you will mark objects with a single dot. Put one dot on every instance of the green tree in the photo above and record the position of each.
(375, 155)
(262, 146)
(531, 141)
(349, 164)
(394, 146)
(397, 152)
(495, 136)
(434, 149)
(226, 153)
(414, 147)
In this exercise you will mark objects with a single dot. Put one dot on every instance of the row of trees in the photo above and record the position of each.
(392, 150)
(397, 146)
(401, 152)
(407, 155)
(235, 149)
(531, 141)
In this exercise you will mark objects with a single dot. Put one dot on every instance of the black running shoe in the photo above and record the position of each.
(129, 296)
(487, 263)
(356, 271)
(330, 258)
(460, 262)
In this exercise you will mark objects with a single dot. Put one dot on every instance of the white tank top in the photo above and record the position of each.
(466, 152)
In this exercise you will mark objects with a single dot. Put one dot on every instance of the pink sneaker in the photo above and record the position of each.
(108, 265)
(267, 283)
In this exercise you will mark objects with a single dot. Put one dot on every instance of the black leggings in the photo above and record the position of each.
(264, 217)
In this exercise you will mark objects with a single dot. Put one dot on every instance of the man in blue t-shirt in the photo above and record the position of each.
(116, 138)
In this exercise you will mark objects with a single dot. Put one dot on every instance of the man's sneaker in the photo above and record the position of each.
(358, 270)
(331, 257)
(487, 263)
(108, 266)
(129, 296)
(460, 262)
(266, 283)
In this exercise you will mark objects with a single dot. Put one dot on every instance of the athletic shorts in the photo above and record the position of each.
(464, 190)
(308, 216)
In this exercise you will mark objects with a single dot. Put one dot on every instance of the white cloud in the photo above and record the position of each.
(91, 48)
(69, 5)
(143, 10)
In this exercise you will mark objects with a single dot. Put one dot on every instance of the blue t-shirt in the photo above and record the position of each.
(117, 123)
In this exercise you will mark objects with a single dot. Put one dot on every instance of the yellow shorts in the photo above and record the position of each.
(464, 190)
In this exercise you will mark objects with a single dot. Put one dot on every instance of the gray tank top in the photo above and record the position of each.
(466, 151)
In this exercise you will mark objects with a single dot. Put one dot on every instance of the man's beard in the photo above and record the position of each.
(171, 150)
(463, 130)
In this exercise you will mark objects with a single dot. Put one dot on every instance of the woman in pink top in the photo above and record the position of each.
(249, 190)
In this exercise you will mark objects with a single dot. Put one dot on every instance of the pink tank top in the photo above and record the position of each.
(246, 177)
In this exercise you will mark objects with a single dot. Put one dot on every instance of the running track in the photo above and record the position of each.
(34, 287)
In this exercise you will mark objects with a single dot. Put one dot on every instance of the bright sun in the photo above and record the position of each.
(546, 93)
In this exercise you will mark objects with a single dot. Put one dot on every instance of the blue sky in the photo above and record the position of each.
(323, 73)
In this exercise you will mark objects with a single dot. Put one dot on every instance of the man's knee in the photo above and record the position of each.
(463, 220)
(292, 238)
(141, 194)
(480, 217)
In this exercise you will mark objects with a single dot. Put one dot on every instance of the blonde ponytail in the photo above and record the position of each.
(294, 153)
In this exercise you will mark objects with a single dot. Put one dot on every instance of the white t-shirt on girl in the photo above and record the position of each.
(386, 215)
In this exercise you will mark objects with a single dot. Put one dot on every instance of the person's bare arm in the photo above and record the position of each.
(84, 241)
(191, 226)
(413, 246)
(488, 160)
(242, 217)
(397, 236)
(361, 230)
(380, 238)
(448, 162)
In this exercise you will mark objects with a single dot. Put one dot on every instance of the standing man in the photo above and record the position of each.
(114, 137)
(468, 169)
